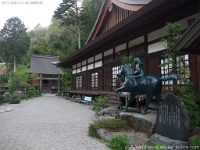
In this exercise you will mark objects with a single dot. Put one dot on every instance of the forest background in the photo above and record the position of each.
(67, 33)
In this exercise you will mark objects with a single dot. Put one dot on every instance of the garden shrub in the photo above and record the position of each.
(4, 78)
(112, 124)
(15, 99)
(195, 143)
(32, 90)
(14, 84)
(119, 142)
(58, 94)
(93, 130)
(1, 99)
(109, 124)
(185, 92)
(188, 98)
(99, 103)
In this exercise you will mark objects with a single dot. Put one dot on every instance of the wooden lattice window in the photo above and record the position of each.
(94, 81)
(79, 82)
(115, 80)
(182, 69)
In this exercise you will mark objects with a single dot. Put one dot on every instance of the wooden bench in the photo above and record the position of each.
(86, 100)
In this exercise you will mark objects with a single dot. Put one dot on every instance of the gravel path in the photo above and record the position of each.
(47, 123)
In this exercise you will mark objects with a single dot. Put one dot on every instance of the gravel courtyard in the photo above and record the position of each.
(47, 123)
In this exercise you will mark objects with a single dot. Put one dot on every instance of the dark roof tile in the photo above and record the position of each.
(44, 64)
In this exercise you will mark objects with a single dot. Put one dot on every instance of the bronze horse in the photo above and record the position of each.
(147, 84)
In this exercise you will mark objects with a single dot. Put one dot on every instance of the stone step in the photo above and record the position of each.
(112, 102)
(112, 105)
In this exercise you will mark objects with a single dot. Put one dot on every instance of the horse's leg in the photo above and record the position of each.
(118, 97)
(117, 93)
(130, 99)
(158, 96)
(149, 97)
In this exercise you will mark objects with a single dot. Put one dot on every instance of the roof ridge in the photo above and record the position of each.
(45, 56)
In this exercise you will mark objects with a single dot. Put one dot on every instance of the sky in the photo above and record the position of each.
(31, 12)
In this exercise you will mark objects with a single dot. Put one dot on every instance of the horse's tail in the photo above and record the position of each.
(171, 76)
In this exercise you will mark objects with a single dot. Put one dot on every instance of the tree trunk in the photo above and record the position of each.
(78, 26)
(15, 64)
(79, 37)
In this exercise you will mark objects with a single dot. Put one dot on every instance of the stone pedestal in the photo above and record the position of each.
(143, 123)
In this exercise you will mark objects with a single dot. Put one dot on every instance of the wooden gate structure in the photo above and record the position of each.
(48, 74)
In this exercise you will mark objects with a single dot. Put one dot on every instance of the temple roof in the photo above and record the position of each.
(131, 5)
(190, 39)
(42, 64)
(154, 14)
(135, 1)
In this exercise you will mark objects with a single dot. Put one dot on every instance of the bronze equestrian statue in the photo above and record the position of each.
(136, 83)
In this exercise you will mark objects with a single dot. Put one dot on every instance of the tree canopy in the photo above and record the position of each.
(68, 12)
(60, 38)
(14, 41)
(78, 19)
(88, 16)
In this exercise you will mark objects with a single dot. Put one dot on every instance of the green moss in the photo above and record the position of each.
(109, 124)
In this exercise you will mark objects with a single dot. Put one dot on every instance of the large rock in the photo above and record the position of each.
(110, 111)
(172, 120)
(99, 118)
(136, 138)
(7, 97)
(104, 134)
(169, 143)
(5, 109)
(20, 94)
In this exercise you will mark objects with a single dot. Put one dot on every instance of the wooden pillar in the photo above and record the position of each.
(40, 82)
(58, 83)
(146, 53)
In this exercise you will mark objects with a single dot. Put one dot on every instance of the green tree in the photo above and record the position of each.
(14, 41)
(173, 33)
(61, 40)
(22, 74)
(66, 78)
(184, 91)
(39, 44)
(68, 12)
(3, 79)
(88, 16)
(54, 40)
(14, 84)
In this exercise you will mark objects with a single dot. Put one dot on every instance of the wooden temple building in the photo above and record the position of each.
(47, 73)
(135, 28)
